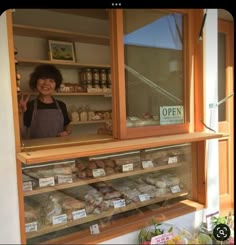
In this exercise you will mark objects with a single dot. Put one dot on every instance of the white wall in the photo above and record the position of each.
(9, 221)
(9, 213)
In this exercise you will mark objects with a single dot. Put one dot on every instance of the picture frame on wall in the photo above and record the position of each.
(61, 51)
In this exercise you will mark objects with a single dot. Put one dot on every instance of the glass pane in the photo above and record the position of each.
(221, 76)
(153, 67)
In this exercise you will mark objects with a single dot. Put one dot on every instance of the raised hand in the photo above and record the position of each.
(23, 102)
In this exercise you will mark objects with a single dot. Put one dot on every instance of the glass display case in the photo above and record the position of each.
(88, 194)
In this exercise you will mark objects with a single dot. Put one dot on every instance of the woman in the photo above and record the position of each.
(44, 116)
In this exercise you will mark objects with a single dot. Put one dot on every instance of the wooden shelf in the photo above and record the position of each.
(74, 94)
(91, 217)
(89, 122)
(64, 64)
(81, 182)
(60, 35)
(78, 150)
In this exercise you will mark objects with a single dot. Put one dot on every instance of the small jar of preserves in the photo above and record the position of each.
(96, 78)
(103, 78)
(88, 75)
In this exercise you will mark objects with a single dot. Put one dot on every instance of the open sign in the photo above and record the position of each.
(171, 114)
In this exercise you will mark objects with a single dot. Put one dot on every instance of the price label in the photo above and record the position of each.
(58, 219)
(172, 160)
(128, 167)
(64, 179)
(94, 229)
(175, 189)
(27, 186)
(161, 239)
(144, 197)
(147, 164)
(49, 181)
(119, 203)
(98, 172)
(33, 226)
(78, 214)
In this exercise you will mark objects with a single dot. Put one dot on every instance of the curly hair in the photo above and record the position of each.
(45, 71)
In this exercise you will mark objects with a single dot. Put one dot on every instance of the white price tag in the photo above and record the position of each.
(175, 189)
(27, 186)
(119, 203)
(172, 160)
(64, 179)
(33, 226)
(98, 172)
(58, 219)
(144, 197)
(147, 164)
(78, 214)
(128, 167)
(49, 181)
(94, 229)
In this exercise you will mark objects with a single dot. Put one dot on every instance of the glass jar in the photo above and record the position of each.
(103, 78)
(96, 78)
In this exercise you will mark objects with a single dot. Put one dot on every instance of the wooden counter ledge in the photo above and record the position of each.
(106, 146)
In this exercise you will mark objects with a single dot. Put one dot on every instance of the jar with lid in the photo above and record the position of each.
(109, 78)
(96, 78)
(103, 78)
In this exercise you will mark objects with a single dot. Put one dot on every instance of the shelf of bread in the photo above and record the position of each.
(64, 64)
(58, 34)
(32, 179)
(68, 220)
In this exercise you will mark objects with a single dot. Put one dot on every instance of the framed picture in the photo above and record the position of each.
(63, 51)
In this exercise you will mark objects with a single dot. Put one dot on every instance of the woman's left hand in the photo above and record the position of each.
(62, 134)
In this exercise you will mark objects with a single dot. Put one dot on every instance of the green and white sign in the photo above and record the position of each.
(171, 114)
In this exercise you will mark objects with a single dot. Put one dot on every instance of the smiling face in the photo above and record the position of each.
(46, 86)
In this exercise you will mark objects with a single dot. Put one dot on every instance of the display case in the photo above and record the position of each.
(84, 196)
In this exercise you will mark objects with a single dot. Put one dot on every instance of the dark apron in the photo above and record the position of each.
(46, 122)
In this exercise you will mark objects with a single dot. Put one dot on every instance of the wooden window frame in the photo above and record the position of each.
(193, 80)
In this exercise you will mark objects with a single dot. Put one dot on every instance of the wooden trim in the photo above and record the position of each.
(119, 107)
(13, 80)
(39, 156)
(197, 72)
(201, 173)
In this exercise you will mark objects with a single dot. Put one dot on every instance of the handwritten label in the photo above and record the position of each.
(27, 186)
(144, 197)
(119, 203)
(33, 226)
(147, 164)
(49, 181)
(98, 172)
(94, 229)
(64, 179)
(58, 219)
(161, 239)
(78, 214)
(128, 167)
(175, 189)
(172, 159)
